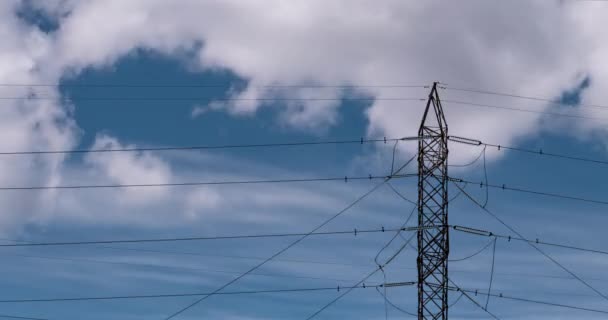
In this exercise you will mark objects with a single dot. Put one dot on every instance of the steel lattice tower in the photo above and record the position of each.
(433, 238)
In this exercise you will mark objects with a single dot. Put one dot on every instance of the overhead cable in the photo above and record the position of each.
(539, 152)
(289, 246)
(204, 85)
(200, 183)
(553, 260)
(196, 99)
(541, 193)
(211, 147)
(369, 275)
(253, 236)
(511, 95)
(473, 300)
(547, 303)
(556, 114)
(6, 316)
(535, 241)
(196, 294)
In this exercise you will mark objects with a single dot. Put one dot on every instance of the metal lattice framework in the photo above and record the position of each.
(433, 237)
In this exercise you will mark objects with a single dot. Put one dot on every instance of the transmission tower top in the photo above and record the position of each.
(435, 120)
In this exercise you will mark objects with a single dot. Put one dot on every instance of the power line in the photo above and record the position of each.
(515, 238)
(557, 114)
(473, 254)
(539, 152)
(472, 300)
(549, 154)
(392, 304)
(258, 258)
(502, 296)
(542, 193)
(198, 294)
(5, 316)
(255, 236)
(348, 290)
(289, 246)
(561, 266)
(380, 267)
(195, 254)
(212, 147)
(201, 85)
(369, 275)
(227, 100)
(398, 233)
(491, 274)
(510, 95)
(200, 183)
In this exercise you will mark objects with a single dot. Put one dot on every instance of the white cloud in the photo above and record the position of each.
(541, 50)
(467, 43)
(129, 168)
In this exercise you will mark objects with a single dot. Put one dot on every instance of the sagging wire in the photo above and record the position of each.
(482, 154)
(485, 173)
(380, 266)
(469, 163)
(491, 274)
(457, 299)
(398, 233)
(390, 260)
(392, 304)
(477, 158)
(399, 194)
(393, 161)
(381, 269)
(385, 295)
(553, 260)
(472, 300)
(474, 254)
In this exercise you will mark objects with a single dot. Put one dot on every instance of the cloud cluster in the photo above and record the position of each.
(537, 47)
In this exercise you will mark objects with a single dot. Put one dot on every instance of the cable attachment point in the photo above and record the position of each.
(399, 284)
(384, 140)
(463, 140)
(345, 179)
(382, 231)
(361, 140)
(472, 231)
(498, 147)
(355, 232)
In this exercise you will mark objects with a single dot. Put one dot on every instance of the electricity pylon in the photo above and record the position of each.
(433, 238)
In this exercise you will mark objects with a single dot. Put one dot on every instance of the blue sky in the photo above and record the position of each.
(181, 49)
